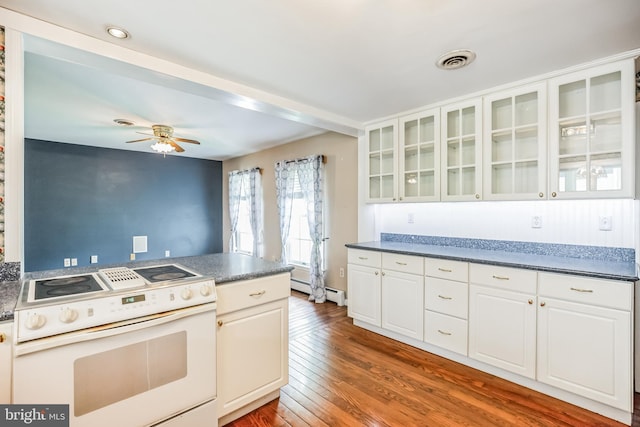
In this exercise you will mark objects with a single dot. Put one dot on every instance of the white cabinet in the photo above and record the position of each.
(402, 294)
(461, 154)
(584, 338)
(515, 144)
(419, 149)
(591, 129)
(446, 304)
(364, 286)
(252, 342)
(502, 318)
(6, 361)
(381, 162)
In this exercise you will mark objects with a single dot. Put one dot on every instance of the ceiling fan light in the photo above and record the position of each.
(162, 147)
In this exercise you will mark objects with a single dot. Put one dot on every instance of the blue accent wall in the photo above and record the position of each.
(82, 201)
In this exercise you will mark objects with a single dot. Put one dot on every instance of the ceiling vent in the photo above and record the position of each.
(456, 59)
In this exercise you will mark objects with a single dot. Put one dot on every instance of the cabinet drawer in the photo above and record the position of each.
(249, 293)
(446, 332)
(513, 279)
(446, 269)
(603, 293)
(446, 297)
(360, 257)
(403, 263)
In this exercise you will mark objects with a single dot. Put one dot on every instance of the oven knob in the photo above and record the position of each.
(35, 321)
(186, 293)
(68, 315)
(205, 290)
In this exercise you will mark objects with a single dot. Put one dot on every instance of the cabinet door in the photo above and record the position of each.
(461, 154)
(363, 291)
(6, 361)
(515, 142)
(502, 329)
(381, 162)
(419, 157)
(403, 303)
(591, 134)
(252, 352)
(586, 350)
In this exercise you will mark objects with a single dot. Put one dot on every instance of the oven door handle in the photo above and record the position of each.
(112, 329)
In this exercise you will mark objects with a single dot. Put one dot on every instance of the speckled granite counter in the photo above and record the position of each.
(604, 263)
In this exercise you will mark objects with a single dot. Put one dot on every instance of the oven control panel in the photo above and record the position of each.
(48, 320)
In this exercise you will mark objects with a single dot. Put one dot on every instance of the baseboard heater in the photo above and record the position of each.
(334, 295)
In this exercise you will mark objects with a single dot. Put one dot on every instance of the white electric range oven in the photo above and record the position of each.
(121, 347)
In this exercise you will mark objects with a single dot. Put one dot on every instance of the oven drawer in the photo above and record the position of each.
(249, 293)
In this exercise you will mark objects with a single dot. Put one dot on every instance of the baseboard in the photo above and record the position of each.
(334, 295)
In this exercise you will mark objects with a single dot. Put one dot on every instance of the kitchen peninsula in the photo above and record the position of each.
(251, 327)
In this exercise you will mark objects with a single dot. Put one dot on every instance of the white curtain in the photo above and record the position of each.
(246, 184)
(310, 174)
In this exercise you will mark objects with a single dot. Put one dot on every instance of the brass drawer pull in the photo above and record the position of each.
(446, 270)
(401, 263)
(3, 337)
(257, 293)
(443, 332)
(581, 290)
(363, 258)
(500, 277)
(443, 297)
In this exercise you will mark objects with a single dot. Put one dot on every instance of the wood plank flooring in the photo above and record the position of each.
(343, 375)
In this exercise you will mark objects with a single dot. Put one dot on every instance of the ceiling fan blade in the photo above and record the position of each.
(140, 140)
(190, 141)
(143, 133)
(176, 146)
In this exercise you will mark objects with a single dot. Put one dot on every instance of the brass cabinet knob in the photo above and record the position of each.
(220, 323)
(530, 301)
(542, 304)
(554, 194)
(477, 196)
(541, 194)
(3, 337)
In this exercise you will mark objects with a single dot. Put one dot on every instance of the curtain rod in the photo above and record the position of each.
(324, 159)
(246, 170)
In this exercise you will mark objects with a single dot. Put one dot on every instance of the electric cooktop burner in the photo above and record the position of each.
(65, 286)
(162, 273)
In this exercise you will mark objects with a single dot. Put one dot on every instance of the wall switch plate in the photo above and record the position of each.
(341, 271)
(74, 262)
(67, 262)
(94, 259)
(605, 223)
(536, 221)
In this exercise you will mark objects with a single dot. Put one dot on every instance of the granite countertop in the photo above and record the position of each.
(591, 267)
(222, 267)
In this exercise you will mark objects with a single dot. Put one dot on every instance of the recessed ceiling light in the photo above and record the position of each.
(456, 59)
(123, 122)
(118, 33)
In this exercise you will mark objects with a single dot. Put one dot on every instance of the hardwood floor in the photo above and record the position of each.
(343, 375)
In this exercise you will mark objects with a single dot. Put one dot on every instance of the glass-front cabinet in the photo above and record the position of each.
(515, 142)
(419, 157)
(461, 155)
(591, 132)
(381, 161)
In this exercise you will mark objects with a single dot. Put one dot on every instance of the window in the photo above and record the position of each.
(245, 212)
(299, 242)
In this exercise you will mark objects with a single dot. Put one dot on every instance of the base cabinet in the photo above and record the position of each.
(6, 360)
(363, 289)
(252, 342)
(402, 303)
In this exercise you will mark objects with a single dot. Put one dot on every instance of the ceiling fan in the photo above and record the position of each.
(165, 141)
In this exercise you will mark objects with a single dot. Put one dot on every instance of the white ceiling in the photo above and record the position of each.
(351, 60)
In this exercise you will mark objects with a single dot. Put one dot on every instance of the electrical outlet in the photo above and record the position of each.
(167, 253)
(341, 271)
(94, 259)
(536, 221)
(410, 218)
(605, 223)
(132, 257)
(74, 262)
(67, 262)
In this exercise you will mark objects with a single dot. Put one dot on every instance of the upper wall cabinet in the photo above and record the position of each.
(461, 157)
(381, 162)
(515, 142)
(591, 138)
(420, 157)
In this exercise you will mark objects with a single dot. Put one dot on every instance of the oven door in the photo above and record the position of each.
(133, 373)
